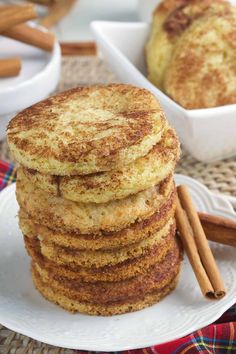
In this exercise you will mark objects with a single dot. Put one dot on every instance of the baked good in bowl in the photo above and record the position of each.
(191, 51)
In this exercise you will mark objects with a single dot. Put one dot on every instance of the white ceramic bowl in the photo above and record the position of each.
(208, 134)
(38, 78)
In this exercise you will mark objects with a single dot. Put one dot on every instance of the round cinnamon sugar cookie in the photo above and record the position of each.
(103, 240)
(109, 309)
(190, 52)
(87, 130)
(101, 258)
(204, 76)
(143, 173)
(86, 218)
(120, 271)
(157, 276)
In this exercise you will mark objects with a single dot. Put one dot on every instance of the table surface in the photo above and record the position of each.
(220, 177)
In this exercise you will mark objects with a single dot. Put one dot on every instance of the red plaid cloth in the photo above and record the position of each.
(7, 174)
(218, 338)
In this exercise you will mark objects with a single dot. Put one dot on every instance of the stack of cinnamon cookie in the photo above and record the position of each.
(97, 198)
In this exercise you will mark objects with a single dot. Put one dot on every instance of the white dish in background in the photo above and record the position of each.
(146, 8)
(75, 26)
(38, 78)
(208, 134)
(24, 310)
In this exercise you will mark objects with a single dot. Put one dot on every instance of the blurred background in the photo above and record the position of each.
(70, 19)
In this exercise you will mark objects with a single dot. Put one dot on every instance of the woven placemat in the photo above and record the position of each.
(219, 177)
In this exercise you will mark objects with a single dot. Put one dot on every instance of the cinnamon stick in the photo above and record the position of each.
(13, 15)
(32, 36)
(56, 12)
(43, 2)
(78, 48)
(203, 247)
(190, 247)
(219, 229)
(10, 67)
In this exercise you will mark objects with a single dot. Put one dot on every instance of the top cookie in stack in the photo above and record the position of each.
(97, 197)
(87, 130)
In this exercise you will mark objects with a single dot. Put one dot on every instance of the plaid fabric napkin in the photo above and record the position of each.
(7, 174)
(218, 338)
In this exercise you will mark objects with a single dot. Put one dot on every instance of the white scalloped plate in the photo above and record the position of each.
(23, 310)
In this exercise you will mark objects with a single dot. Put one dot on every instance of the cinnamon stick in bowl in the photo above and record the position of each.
(13, 15)
(10, 67)
(32, 36)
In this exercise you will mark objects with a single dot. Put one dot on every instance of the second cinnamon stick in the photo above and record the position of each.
(218, 229)
(78, 48)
